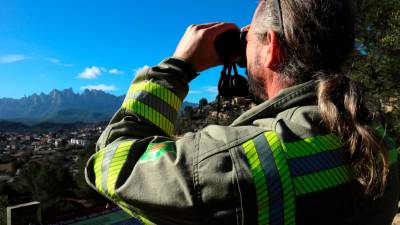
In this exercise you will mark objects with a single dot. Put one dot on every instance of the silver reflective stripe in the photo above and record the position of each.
(108, 156)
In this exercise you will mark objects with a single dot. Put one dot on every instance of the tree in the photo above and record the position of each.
(377, 62)
(45, 181)
(203, 102)
(81, 188)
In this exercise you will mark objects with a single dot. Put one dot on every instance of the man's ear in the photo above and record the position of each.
(274, 50)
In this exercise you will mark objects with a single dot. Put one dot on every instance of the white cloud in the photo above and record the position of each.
(53, 60)
(194, 92)
(100, 87)
(90, 73)
(211, 89)
(4, 59)
(204, 90)
(115, 71)
(58, 62)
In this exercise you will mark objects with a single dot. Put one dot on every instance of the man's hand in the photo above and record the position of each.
(197, 45)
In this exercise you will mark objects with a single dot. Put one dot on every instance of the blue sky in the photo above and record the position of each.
(50, 44)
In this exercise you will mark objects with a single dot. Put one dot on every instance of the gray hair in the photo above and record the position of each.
(318, 37)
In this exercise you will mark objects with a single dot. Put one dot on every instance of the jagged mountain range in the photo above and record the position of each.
(64, 106)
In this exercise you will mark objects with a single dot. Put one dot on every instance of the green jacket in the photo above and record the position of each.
(275, 164)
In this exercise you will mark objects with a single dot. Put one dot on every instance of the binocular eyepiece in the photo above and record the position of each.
(231, 46)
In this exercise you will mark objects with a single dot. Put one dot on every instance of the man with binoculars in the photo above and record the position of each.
(309, 154)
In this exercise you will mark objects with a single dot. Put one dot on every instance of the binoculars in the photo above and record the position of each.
(231, 46)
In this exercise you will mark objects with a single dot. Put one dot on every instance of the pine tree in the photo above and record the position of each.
(377, 60)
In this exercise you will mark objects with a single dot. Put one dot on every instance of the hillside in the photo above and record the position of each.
(194, 118)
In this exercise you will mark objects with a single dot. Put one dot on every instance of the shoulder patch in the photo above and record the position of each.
(155, 150)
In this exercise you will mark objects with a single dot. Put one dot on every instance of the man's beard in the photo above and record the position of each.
(257, 88)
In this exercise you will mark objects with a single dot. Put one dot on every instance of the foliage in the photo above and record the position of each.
(377, 63)
(55, 184)
(44, 181)
(81, 189)
(203, 102)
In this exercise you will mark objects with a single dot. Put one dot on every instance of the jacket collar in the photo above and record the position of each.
(298, 95)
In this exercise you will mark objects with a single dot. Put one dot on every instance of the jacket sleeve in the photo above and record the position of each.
(137, 163)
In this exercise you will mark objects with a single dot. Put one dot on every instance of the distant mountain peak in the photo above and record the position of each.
(65, 106)
(93, 92)
(54, 90)
(64, 92)
(68, 91)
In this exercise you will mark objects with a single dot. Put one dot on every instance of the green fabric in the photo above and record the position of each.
(259, 182)
(221, 174)
(161, 92)
(97, 168)
(108, 163)
(117, 161)
(107, 171)
(147, 112)
(312, 145)
(285, 178)
(321, 180)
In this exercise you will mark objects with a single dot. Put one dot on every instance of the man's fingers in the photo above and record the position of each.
(196, 46)
(215, 27)
(224, 25)
(220, 28)
(205, 25)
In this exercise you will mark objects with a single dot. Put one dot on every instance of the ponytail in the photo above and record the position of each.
(319, 35)
(343, 111)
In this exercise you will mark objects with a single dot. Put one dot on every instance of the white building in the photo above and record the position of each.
(81, 142)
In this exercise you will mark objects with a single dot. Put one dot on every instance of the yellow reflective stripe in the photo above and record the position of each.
(286, 180)
(311, 146)
(157, 90)
(124, 206)
(97, 167)
(321, 180)
(150, 114)
(115, 167)
(116, 164)
(259, 180)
